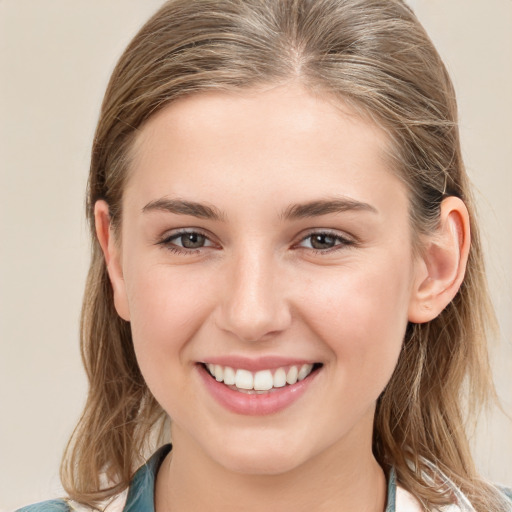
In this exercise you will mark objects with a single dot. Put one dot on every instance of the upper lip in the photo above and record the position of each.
(258, 363)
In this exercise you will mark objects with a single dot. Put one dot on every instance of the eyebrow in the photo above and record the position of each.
(325, 207)
(293, 212)
(181, 207)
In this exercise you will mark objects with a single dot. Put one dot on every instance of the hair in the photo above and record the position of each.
(375, 55)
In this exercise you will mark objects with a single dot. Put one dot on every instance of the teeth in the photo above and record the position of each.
(229, 376)
(291, 376)
(219, 372)
(304, 371)
(244, 379)
(262, 380)
(279, 378)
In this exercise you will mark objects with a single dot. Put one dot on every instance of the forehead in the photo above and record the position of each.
(273, 142)
(290, 110)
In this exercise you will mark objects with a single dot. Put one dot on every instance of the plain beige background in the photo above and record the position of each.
(55, 60)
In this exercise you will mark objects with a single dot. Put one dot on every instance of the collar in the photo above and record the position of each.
(141, 496)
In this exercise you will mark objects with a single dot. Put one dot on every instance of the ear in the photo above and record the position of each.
(112, 253)
(442, 265)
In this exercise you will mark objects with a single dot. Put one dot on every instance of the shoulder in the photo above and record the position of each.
(47, 506)
(115, 504)
(138, 496)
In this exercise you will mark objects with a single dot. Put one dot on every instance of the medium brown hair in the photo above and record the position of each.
(375, 55)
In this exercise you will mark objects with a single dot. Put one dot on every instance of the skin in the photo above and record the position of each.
(258, 287)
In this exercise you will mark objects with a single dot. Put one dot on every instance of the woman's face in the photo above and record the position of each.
(263, 233)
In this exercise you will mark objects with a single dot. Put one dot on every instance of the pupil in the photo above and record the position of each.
(322, 241)
(192, 240)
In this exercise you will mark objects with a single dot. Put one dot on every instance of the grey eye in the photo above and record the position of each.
(322, 241)
(191, 240)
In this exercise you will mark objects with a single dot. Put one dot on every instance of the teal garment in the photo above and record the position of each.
(142, 487)
(47, 506)
(140, 495)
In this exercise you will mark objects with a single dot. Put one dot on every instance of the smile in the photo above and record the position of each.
(261, 381)
(261, 391)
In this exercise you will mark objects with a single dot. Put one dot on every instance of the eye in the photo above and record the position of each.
(323, 241)
(185, 241)
(190, 240)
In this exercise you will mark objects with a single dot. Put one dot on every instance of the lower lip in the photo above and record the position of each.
(255, 404)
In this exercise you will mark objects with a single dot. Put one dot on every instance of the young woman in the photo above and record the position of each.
(286, 264)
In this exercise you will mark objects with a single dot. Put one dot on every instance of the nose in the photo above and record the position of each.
(253, 305)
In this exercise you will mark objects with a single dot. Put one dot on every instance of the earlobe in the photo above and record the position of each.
(112, 254)
(442, 266)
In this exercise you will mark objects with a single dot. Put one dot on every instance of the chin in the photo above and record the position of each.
(261, 464)
(261, 458)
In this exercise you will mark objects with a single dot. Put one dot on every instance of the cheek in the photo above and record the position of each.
(362, 316)
(167, 308)
(164, 297)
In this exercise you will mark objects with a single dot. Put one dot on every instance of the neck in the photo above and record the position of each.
(338, 479)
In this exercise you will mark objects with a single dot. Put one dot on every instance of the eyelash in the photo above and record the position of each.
(167, 242)
(340, 242)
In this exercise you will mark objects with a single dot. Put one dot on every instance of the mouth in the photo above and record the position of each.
(262, 381)
(257, 393)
